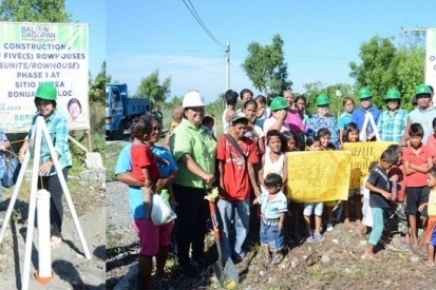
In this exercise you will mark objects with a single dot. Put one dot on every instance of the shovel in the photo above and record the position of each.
(226, 274)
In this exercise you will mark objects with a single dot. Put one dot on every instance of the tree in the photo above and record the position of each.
(265, 66)
(97, 86)
(384, 66)
(316, 88)
(376, 71)
(409, 64)
(151, 87)
(34, 11)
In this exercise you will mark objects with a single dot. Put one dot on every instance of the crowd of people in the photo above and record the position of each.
(248, 164)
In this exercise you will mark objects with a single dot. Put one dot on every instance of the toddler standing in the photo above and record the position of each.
(273, 205)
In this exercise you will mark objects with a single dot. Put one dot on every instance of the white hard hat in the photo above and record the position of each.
(193, 99)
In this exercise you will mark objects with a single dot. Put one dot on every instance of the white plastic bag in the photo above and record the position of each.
(161, 212)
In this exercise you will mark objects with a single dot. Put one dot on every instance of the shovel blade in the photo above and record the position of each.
(228, 275)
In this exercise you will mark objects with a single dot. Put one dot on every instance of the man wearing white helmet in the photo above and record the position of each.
(194, 150)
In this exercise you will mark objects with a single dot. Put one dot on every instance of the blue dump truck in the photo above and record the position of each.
(121, 110)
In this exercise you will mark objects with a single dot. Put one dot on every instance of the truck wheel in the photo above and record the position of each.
(119, 133)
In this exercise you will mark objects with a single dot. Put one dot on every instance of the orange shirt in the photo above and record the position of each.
(417, 179)
(235, 172)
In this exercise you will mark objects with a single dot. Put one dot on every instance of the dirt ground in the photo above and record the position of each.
(71, 269)
(334, 264)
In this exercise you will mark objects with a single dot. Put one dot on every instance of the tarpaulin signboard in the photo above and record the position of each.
(362, 155)
(318, 176)
(31, 53)
(430, 60)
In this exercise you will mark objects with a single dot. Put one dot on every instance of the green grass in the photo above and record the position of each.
(110, 159)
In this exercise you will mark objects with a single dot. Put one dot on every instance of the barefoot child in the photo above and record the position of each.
(273, 161)
(323, 136)
(351, 134)
(273, 208)
(313, 144)
(430, 233)
(379, 197)
(291, 141)
(417, 161)
(397, 178)
(367, 221)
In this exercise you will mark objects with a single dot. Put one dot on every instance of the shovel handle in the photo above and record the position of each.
(214, 218)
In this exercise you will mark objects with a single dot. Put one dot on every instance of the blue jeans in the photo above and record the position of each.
(234, 217)
(270, 235)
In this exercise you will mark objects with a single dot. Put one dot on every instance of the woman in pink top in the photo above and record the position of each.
(279, 110)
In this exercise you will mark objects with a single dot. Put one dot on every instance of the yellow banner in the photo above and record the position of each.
(363, 154)
(318, 176)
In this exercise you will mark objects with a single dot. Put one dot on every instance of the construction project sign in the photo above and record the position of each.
(32, 53)
(318, 176)
(430, 59)
(362, 155)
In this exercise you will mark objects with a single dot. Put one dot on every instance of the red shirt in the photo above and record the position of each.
(141, 157)
(431, 145)
(417, 179)
(235, 172)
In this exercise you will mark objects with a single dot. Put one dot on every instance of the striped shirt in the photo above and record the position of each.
(58, 130)
(391, 126)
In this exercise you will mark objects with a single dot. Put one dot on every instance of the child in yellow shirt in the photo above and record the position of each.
(430, 233)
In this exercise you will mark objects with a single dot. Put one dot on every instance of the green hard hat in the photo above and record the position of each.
(278, 103)
(364, 93)
(422, 89)
(392, 94)
(46, 91)
(322, 100)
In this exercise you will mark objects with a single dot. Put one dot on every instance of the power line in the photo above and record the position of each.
(201, 23)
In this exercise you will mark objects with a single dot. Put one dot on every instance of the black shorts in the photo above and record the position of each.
(415, 196)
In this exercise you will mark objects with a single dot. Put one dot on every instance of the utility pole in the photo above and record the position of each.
(228, 65)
